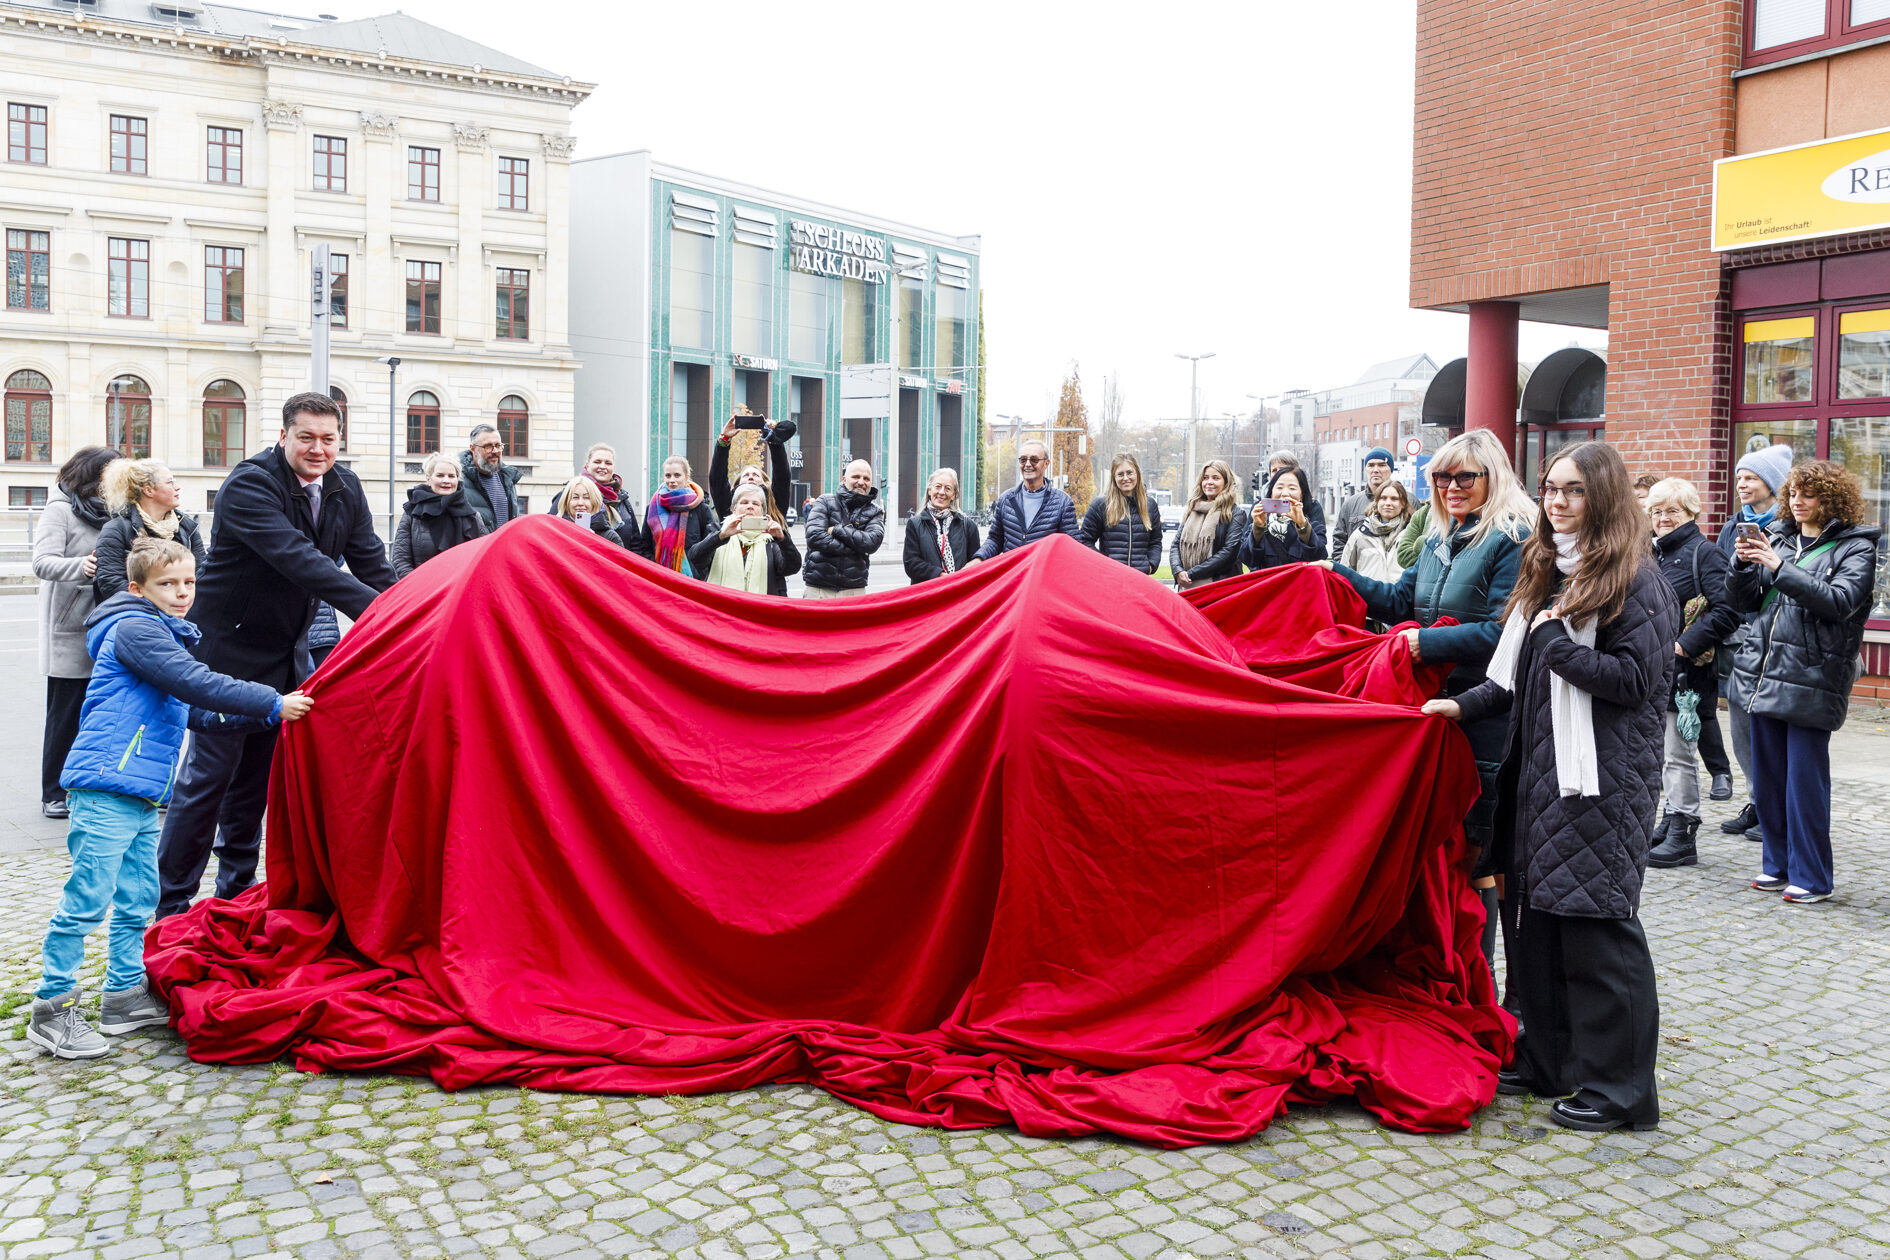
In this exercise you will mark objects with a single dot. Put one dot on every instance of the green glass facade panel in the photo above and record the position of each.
(691, 290)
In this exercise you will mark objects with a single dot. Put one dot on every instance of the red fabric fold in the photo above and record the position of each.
(1029, 845)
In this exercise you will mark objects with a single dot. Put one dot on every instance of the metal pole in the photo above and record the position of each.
(392, 363)
(318, 324)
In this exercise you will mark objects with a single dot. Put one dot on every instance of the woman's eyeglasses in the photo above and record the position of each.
(1568, 494)
(1461, 480)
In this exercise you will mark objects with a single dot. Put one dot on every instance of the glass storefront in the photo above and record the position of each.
(758, 305)
(1779, 361)
(1841, 414)
(1862, 444)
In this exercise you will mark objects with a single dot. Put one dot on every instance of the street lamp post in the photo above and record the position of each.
(392, 363)
(1194, 402)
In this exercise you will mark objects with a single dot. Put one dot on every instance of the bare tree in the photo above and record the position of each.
(1109, 437)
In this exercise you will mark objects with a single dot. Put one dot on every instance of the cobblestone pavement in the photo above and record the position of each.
(1774, 1063)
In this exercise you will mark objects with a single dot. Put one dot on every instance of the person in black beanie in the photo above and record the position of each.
(1356, 508)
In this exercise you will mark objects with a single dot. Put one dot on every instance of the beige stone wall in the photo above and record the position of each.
(277, 218)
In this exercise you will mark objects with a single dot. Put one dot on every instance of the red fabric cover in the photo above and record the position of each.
(1028, 844)
(1289, 626)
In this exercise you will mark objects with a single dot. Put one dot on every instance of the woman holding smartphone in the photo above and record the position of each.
(1808, 578)
(1281, 531)
(582, 503)
(751, 552)
(775, 479)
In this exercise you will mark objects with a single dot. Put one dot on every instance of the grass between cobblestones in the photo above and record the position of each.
(1774, 1063)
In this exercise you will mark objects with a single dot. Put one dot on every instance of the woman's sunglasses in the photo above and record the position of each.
(1461, 480)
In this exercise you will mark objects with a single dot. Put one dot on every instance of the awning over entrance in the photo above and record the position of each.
(1443, 396)
(1571, 384)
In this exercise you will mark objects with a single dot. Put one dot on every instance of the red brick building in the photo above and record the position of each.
(1564, 171)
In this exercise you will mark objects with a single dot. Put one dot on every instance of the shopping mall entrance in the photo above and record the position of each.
(807, 407)
(908, 451)
(692, 429)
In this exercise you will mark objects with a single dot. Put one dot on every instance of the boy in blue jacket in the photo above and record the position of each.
(146, 688)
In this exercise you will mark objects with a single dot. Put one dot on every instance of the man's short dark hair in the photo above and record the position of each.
(309, 402)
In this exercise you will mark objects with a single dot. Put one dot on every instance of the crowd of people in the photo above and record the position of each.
(1591, 630)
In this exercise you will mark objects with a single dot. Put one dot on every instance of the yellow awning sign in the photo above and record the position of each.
(1800, 329)
(1808, 190)
(1859, 322)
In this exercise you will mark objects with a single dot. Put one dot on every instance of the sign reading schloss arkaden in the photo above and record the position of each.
(829, 251)
(1819, 189)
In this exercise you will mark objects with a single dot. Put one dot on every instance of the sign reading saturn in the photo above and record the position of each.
(1820, 189)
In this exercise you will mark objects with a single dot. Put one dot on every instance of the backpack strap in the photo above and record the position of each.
(1813, 554)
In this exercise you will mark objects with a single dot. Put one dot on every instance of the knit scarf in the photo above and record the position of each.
(1761, 519)
(1571, 710)
(741, 564)
(1197, 533)
(159, 527)
(942, 522)
(668, 522)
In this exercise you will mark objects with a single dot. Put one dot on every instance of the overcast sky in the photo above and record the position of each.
(1148, 180)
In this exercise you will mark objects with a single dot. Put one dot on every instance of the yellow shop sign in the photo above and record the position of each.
(1818, 189)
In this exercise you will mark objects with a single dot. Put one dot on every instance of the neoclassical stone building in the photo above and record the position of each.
(170, 170)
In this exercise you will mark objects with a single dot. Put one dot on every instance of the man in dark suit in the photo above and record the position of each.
(283, 519)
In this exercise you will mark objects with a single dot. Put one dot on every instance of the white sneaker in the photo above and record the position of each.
(1803, 897)
(1768, 883)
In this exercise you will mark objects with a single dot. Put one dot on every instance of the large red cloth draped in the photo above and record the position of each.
(1030, 845)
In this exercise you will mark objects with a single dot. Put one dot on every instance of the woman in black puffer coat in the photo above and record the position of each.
(1583, 669)
(1207, 546)
(1695, 569)
(143, 497)
(437, 517)
(1121, 522)
(1810, 578)
(939, 538)
(1274, 539)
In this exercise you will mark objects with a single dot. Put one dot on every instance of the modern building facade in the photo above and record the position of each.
(1710, 182)
(692, 295)
(170, 170)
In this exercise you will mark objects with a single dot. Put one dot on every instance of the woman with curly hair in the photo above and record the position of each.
(1808, 577)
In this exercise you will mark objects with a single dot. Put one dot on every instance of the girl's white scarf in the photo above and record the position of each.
(1571, 710)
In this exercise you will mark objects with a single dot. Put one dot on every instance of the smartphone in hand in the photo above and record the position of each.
(1276, 507)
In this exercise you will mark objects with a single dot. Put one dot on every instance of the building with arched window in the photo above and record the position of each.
(168, 194)
(1707, 182)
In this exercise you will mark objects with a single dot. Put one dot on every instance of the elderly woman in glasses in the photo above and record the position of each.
(1031, 509)
(1479, 518)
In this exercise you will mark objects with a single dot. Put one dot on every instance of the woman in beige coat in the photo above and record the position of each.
(63, 563)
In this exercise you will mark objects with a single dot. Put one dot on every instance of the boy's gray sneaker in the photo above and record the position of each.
(59, 1029)
(126, 1010)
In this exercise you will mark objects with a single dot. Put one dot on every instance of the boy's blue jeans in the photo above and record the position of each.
(113, 841)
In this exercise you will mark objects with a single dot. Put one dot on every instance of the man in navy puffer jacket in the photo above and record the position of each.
(146, 688)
